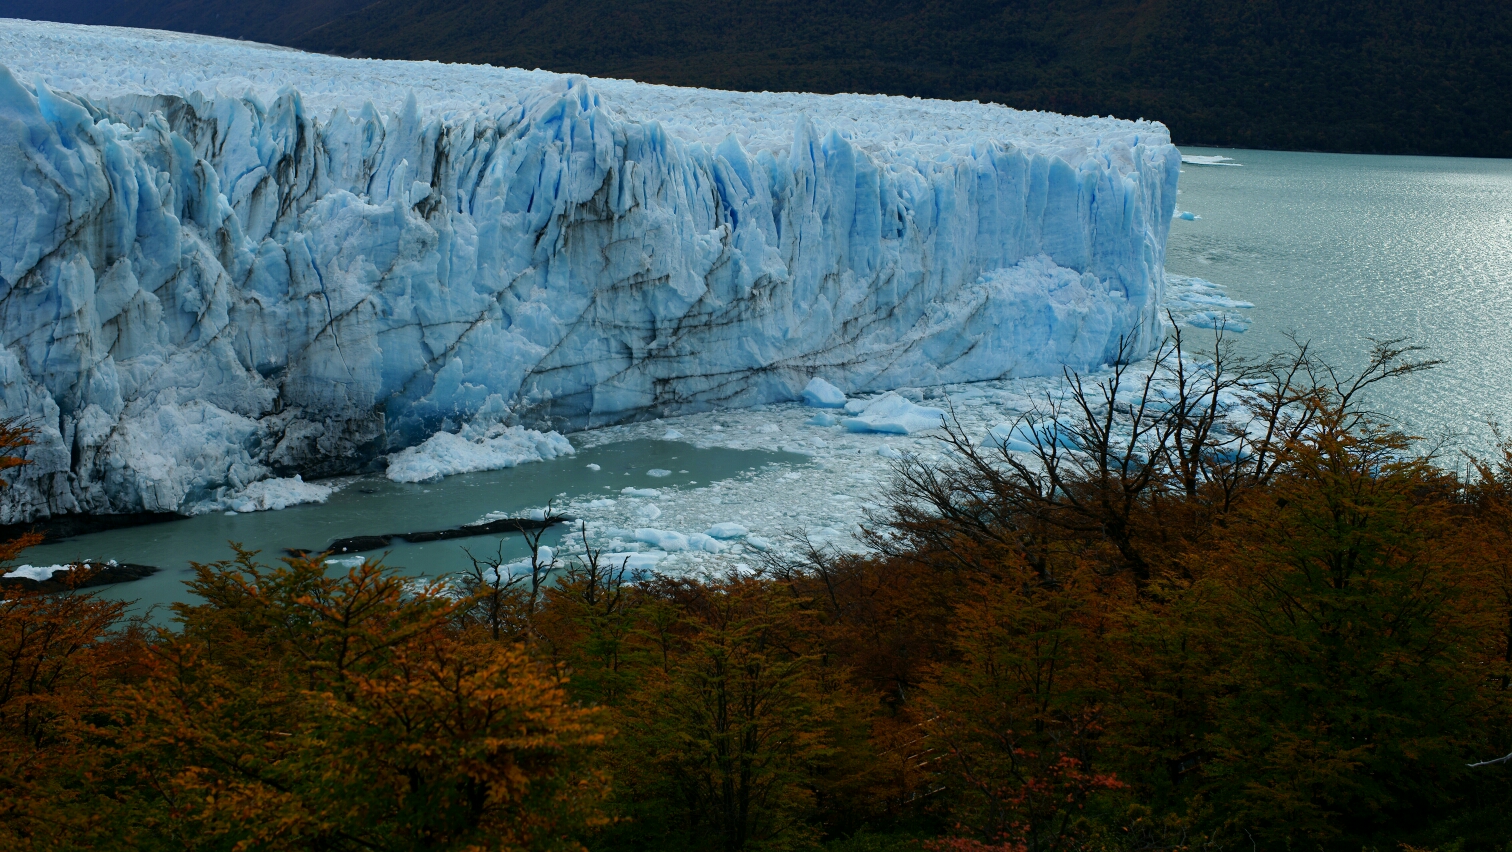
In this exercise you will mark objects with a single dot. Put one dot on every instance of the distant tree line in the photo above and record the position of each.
(1216, 605)
(1369, 76)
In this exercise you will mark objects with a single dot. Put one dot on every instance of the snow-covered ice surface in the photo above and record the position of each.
(227, 262)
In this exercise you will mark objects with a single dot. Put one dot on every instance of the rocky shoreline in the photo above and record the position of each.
(97, 574)
(62, 527)
(364, 543)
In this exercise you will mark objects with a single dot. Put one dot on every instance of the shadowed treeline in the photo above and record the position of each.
(1364, 76)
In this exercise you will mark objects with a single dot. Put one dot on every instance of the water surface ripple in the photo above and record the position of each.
(1340, 248)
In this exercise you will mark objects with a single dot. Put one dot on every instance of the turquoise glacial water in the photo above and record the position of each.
(375, 506)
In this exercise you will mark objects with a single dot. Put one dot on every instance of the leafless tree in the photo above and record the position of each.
(1105, 459)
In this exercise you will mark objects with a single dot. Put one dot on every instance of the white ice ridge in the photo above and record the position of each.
(1205, 160)
(223, 261)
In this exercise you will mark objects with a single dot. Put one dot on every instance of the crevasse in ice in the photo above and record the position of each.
(221, 262)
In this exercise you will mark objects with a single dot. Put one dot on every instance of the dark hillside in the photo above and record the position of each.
(269, 21)
(1383, 76)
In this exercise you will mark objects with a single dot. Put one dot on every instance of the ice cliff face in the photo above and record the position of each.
(201, 289)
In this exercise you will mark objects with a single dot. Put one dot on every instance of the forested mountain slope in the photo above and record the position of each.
(1386, 76)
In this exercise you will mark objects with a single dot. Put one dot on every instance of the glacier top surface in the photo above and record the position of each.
(102, 62)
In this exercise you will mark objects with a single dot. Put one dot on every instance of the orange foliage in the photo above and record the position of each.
(298, 710)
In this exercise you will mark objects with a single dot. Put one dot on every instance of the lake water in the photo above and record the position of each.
(1340, 248)
(376, 506)
(1336, 248)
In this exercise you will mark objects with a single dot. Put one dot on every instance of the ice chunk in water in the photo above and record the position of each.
(822, 394)
(894, 415)
(726, 530)
(662, 539)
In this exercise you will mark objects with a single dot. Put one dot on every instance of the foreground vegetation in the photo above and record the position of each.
(1177, 621)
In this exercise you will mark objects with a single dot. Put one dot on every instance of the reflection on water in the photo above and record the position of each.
(375, 506)
(1340, 248)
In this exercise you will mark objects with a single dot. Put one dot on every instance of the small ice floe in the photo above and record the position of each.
(887, 451)
(594, 467)
(1208, 160)
(1024, 437)
(649, 512)
(1185, 216)
(672, 435)
(824, 419)
(658, 472)
(758, 542)
(602, 503)
(893, 415)
(822, 394)
(662, 539)
(1218, 319)
(1203, 304)
(633, 561)
(726, 530)
(648, 493)
(706, 543)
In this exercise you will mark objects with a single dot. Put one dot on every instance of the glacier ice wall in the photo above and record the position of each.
(200, 289)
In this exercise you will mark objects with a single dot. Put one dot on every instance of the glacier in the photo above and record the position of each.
(224, 262)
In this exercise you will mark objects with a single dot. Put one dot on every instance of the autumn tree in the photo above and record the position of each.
(1017, 719)
(732, 737)
(1348, 708)
(297, 710)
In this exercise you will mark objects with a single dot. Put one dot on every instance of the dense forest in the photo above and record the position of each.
(1205, 605)
(1373, 76)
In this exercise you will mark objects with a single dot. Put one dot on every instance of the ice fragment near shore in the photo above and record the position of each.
(821, 394)
(662, 539)
(497, 448)
(267, 495)
(894, 415)
(228, 262)
(726, 530)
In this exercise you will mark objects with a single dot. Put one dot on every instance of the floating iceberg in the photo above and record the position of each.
(1208, 160)
(662, 539)
(821, 394)
(227, 262)
(266, 495)
(494, 448)
(726, 530)
(892, 414)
